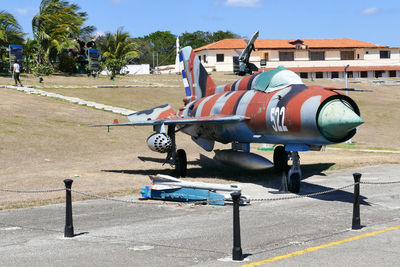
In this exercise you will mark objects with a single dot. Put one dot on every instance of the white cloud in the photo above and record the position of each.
(98, 34)
(244, 3)
(24, 11)
(370, 11)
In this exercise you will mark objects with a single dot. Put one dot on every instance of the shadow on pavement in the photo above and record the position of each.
(206, 167)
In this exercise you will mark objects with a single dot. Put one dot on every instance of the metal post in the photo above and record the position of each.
(69, 228)
(237, 249)
(346, 77)
(157, 59)
(356, 225)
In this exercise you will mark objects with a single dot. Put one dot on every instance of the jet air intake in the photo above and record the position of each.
(338, 118)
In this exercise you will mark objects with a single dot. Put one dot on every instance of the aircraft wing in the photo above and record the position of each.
(217, 119)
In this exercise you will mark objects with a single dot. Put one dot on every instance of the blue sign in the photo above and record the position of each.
(93, 58)
(15, 55)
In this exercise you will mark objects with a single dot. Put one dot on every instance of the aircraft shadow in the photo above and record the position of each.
(206, 167)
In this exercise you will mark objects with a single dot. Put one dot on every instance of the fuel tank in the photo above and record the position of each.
(245, 160)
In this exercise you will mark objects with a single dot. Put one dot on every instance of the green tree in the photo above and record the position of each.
(117, 49)
(10, 30)
(220, 35)
(55, 27)
(195, 39)
(118, 45)
(10, 33)
(163, 43)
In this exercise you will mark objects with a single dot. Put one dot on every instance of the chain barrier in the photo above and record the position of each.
(380, 183)
(303, 196)
(100, 197)
(33, 191)
(196, 202)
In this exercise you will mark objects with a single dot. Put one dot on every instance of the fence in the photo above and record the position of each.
(236, 250)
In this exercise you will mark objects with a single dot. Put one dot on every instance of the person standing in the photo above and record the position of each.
(16, 72)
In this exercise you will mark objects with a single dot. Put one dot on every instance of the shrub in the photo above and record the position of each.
(114, 65)
(67, 63)
(40, 69)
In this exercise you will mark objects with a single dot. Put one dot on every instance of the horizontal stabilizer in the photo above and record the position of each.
(157, 113)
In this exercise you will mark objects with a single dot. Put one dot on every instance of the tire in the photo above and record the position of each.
(294, 183)
(280, 159)
(180, 163)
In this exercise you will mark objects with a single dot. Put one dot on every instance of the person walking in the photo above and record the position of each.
(16, 72)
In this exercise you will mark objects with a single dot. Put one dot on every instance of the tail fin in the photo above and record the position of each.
(195, 77)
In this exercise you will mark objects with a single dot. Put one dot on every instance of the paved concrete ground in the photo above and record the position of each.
(157, 234)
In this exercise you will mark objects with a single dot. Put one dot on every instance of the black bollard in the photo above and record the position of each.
(237, 249)
(69, 228)
(356, 225)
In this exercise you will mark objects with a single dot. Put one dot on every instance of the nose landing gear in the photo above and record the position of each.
(293, 177)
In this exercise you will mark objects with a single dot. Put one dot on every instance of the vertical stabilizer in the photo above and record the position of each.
(195, 77)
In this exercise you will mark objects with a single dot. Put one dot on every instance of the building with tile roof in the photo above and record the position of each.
(310, 58)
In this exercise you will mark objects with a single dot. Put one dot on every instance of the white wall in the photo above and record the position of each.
(132, 70)
(136, 69)
(332, 59)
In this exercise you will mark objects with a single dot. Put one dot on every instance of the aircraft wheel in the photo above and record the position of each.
(294, 183)
(280, 159)
(180, 163)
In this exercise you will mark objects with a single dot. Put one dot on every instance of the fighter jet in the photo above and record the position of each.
(272, 107)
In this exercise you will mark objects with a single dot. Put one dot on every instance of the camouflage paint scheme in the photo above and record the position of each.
(255, 109)
(283, 116)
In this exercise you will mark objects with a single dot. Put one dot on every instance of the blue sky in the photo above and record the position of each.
(367, 20)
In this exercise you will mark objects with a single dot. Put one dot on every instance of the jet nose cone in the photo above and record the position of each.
(337, 120)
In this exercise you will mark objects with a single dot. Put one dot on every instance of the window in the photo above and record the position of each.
(286, 56)
(392, 73)
(204, 58)
(379, 73)
(347, 55)
(319, 75)
(266, 56)
(334, 75)
(220, 57)
(349, 74)
(319, 55)
(200, 58)
(304, 75)
(364, 74)
(384, 54)
(358, 56)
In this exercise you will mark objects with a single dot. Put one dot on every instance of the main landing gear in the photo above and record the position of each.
(292, 175)
(175, 157)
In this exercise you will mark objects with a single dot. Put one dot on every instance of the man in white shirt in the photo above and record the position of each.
(16, 72)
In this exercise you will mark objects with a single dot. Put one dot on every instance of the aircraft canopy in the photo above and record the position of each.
(270, 81)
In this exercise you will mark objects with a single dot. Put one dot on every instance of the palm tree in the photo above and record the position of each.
(56, 26)
(117, 49)
(10, 30)
(10, 33)
(117, 45)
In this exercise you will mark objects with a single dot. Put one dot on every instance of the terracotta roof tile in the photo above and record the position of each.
(284, 44)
